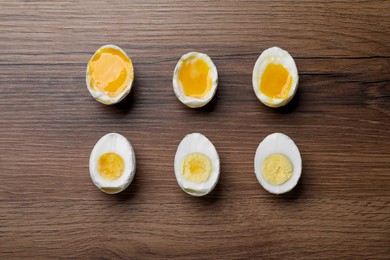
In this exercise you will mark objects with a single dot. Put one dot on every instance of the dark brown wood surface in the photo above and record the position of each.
(339, 119)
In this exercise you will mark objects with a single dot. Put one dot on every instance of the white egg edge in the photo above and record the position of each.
(282, 57)
(178, 89)
(119, 144)
(282, 144)
(100, 96)
(197, 143)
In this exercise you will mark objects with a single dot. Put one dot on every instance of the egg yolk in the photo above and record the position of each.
(197, 167)
(110, 71)
(277, 169)
(276, 81)
(195, 77)
(111, 166)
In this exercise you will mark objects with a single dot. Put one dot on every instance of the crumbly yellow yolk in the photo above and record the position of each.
(110, 71)
(195, 77)
(111, 166)
(197, 167)
(276, 81)
(277, 169)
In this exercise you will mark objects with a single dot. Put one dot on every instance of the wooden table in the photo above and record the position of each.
(339, 119)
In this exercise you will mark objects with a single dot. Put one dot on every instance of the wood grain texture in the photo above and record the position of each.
(49, 124)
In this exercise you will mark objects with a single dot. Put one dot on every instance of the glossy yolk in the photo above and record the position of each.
(197, 168)
(195, 77)
(277, 169)
(275, 81)
(110, 71)
(111, 166)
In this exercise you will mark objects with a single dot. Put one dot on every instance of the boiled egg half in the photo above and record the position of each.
(275, 77)
(196, 165)
(109, 75)
(278, 163)
(195, 79)
(112, 163)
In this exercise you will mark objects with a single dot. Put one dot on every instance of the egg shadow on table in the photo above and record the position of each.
(290, 106)
(296, 192)
(127, 104)
(209, 107)
(124, 106)
(209, 199)
(213, 197)
(129, 193)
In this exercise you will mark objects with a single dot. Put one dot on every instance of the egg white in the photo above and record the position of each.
(178, 88)
(196, 143)
(114, 143)
(281, 144)
(101, 96)
(274, 55)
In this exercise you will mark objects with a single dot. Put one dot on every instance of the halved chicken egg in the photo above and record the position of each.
(195, 79)
(278, 163)
(196, 165)
(275, 77)
(112, 163)
(109, 75)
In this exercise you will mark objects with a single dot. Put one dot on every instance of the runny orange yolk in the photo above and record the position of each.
(111, 166)
(276, 81)
(195, 77)
(110, 71)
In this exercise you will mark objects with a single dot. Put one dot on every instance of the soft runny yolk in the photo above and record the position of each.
(111, 166)
(277, 169)
(197, 167)
(275, 81)
(110, 71)
(195, 77)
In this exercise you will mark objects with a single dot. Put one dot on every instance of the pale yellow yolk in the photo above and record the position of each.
(277, 169)
(195, 77)
(196, 167)
(111, 166)
(276, 81)
(110, 71)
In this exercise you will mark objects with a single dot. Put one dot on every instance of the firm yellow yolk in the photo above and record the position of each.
(276, 81)
(277, 169)
(110, 71)
(197, 167)
(111, 166)
(195, 77)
